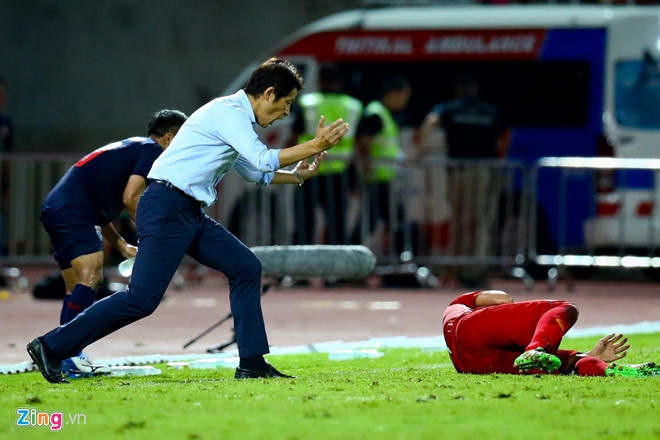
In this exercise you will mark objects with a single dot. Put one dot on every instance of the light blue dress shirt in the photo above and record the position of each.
(216, 137)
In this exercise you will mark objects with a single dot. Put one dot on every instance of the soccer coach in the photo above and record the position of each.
(171, 221)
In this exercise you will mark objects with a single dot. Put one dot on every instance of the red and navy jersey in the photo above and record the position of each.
(94, 186)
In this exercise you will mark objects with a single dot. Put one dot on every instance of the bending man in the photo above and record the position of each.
(171, 221)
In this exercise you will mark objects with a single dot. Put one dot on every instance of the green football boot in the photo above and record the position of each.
(641, 370)
(537, 359)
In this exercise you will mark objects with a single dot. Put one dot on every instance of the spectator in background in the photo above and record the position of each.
(335, 178)
(6, 145)
(474, 131)
(377, 146)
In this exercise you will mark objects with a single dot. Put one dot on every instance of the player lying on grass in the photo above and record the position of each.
(487, 332)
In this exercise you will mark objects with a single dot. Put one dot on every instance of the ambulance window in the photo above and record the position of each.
(637, 93)
(529, 93)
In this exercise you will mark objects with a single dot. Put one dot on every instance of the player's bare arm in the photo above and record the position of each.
(117, 241)
(134, 189)
(492, 298)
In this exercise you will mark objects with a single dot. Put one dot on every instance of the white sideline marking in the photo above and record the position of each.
(204, 302)
(384, 305)
(430, 343)
(351, 305)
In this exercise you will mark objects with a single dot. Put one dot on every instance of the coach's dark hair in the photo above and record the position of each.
(280, 74)
(164, 121)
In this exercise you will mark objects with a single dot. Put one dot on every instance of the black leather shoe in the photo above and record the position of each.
(50, 369)
(242, 373)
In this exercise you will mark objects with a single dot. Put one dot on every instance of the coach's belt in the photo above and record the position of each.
(169, 185)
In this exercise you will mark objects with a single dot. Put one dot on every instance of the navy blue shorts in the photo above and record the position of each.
(72, 235)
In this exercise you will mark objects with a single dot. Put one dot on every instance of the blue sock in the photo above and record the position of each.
(81, 298)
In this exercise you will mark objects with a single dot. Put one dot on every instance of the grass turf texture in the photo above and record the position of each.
(406, 394)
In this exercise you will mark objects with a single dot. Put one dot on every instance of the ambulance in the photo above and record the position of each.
(573, 80)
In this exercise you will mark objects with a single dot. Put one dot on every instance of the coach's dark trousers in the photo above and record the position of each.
(169, 225)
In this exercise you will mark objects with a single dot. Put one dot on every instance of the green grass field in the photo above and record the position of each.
(405, 394)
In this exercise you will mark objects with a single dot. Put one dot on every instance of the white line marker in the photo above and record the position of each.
(204, 302)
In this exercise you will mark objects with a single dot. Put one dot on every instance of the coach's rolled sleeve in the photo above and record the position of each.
(252, 174)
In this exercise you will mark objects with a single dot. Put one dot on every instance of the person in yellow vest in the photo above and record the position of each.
(335, 178)
(377, 147)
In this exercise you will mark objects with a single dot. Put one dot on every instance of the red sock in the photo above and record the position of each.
(552, 327)
(590, 366)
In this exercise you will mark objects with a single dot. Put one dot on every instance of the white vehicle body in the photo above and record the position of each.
(567, 72)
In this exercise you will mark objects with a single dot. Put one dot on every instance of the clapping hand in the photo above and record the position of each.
(328, 137)
(306, 169)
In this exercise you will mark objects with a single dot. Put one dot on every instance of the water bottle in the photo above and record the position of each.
(126, 267)
(138, 370)
(342, 355)
(223, 362)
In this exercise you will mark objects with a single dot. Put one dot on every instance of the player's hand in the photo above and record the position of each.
(328, 137)
(307, 170)
(128, 250)
(610, 348)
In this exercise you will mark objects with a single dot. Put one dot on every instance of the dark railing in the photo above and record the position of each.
(442, 213)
